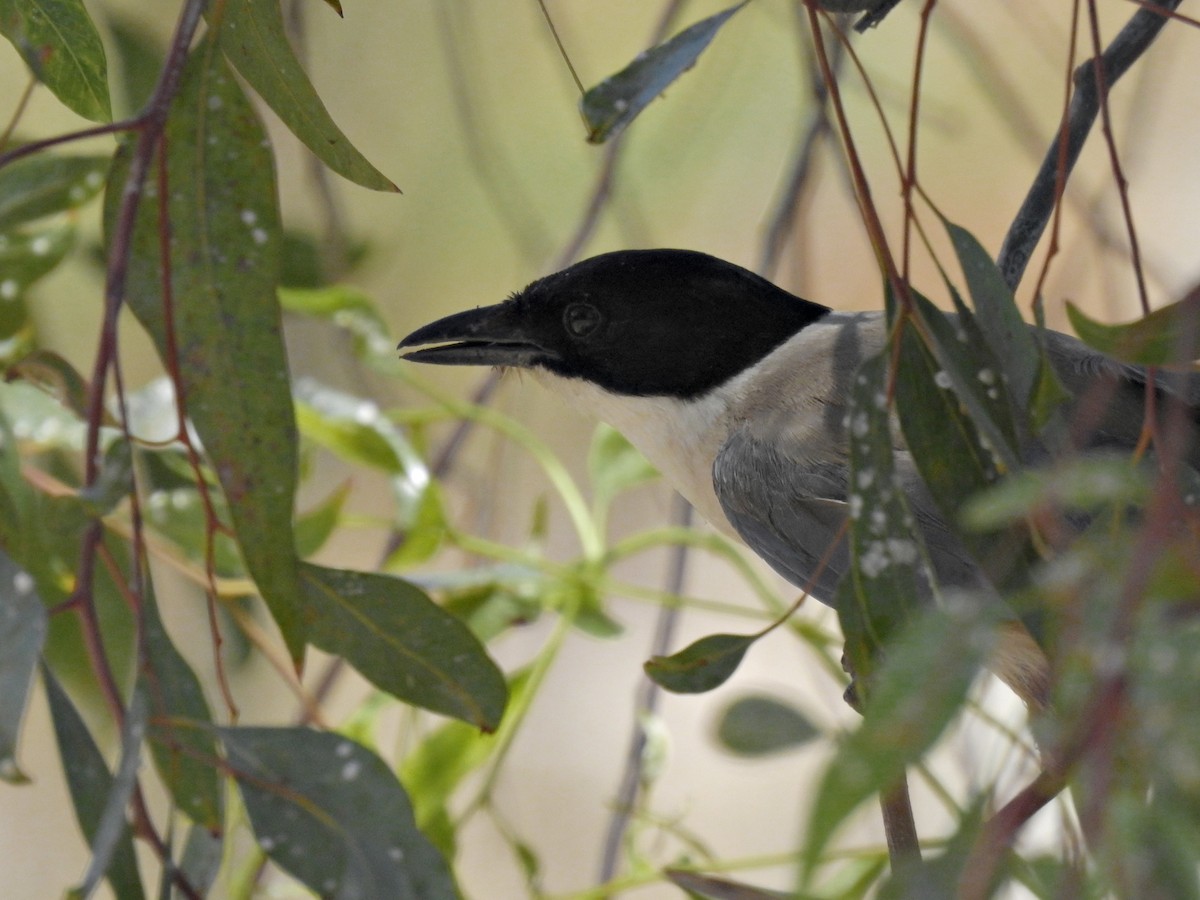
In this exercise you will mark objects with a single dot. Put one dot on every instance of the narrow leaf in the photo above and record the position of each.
(254, 40)
(183, 749)
(1168, 336)
(889, 575)
(921, 684)
(223, 216)
(331, 813)
(42, 185)
(615, 465)
(1010, 337)
(701, 666)
(27, 256)
(612, 104)
(111, 830)
(55, 376)
(22, 633)
(90, 784)
(404, 643)
(61, 45)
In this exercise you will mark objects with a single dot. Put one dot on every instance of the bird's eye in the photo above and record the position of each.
(581, 319)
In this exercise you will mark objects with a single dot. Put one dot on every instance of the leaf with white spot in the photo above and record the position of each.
(890, 574)
(22, 633)
(42, 185)
(223, 214)
(331, 813)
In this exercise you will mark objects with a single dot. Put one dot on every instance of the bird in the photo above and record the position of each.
(737, 391)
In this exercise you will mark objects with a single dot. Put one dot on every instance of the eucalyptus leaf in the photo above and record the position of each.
(225, 330)
(701, 666)
(42, 185)
(1167, 336)
(22, 634)
(758, 725)
(613, 103)
(255, 41)
(60, 44)
(331, 813)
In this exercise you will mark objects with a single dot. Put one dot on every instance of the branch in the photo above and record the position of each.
(1030, 222)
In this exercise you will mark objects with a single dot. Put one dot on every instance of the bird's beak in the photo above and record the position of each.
(491, 336)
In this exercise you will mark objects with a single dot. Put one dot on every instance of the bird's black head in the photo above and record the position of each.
(639, 322)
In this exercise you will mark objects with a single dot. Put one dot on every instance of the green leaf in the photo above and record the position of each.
(183, 749)
(440, 763)
(350, 438)
(22, 634)
(113, 484)
(612, 104)
(884, 586)
(1076, 484)
(315, 526)
(331, 813)
(60, 44)
(758, 725)
(709, 887)
(27, 256)
(90, 784)
(54, 375)
(701, 666)
(41, 185)
(224, 220)
(112, 830)
(1167, 336)
(404, 643)
(254, 40)
(921, 684)
(615, 465)
(1010, 337)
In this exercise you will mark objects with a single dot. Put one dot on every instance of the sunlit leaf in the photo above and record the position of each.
(22, 633)
(26, 256)
(44, 184)
(331, 813)
(1170, 335)
(90, 784)
(61, 45)
(224, 220)
(255, 41)
(702, 665)
(315, 526)
(612, 104)
(404, 643)
(184, 751)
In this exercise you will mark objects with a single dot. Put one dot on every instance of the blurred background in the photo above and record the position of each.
(471, 110)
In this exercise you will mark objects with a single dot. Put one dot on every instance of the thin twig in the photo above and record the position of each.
(22, 103)
(646, 704)
(1027, 227)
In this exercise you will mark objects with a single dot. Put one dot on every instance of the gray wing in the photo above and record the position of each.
(790, 507)
(1110, 397)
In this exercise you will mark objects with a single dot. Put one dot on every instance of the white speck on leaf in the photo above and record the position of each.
(351, 770)
(344, 749)
(942, 379)
(40, 245)
(259, 235)
(249, 216)
(214, 102)
(9, 288)
(22, 582)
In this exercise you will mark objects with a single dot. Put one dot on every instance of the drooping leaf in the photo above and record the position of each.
(612, 104)
(223, 214)
(22, 633)
(201, 860)
(885, 584)
(702, 665)
(710, 887)
(315, 526)
(404, 643)
(1009, 336)
(1170, 335)
(55, 376)
(922, 682)
(331, 813)
(90, 784)
(46, 183)
(183, 749)
(758, 724)
(254, 40)
(113, 484)
(61, 46)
